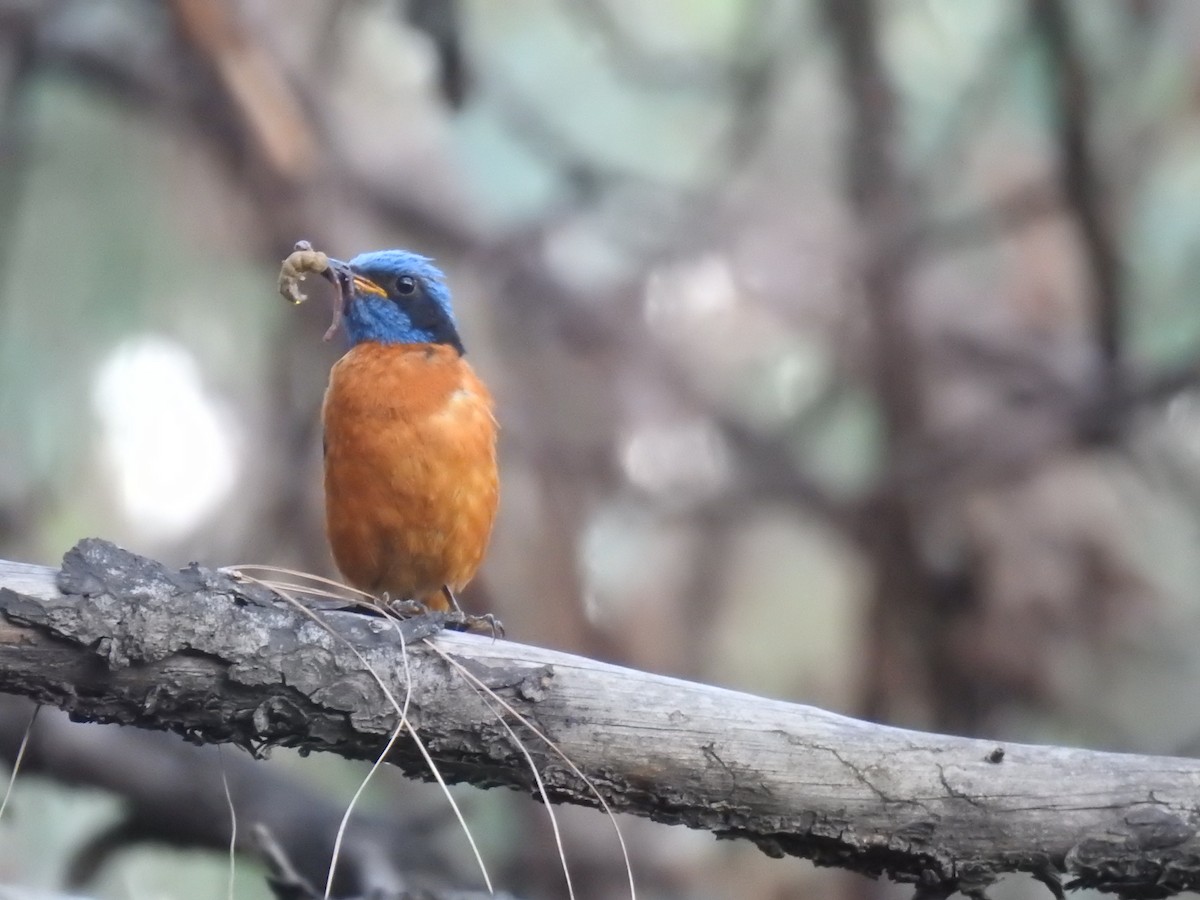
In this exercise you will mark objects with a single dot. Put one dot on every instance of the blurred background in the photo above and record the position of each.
(846, 352)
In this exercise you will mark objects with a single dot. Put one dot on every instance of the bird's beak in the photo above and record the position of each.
(342, 276)
(367, 286)
(347, 285)
(339, 273)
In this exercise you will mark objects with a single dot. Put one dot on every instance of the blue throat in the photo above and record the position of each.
(423, 315)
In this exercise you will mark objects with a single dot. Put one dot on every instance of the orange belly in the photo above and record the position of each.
(410, 470)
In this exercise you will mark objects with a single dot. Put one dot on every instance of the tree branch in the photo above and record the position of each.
(144, 768)
(1082, 186)
(114, 637)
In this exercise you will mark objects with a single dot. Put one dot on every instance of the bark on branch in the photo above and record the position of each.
(113, 637)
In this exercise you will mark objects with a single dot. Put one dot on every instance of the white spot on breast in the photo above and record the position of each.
(463, 409)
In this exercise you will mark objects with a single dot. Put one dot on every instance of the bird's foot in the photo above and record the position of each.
(457, 620)
(404, 607)
(461, 621)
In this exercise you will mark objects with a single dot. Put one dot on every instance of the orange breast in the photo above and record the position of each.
(410, 469)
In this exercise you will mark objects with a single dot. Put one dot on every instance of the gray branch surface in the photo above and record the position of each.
(113, 637)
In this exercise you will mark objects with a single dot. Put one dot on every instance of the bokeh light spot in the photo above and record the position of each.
(169, 444)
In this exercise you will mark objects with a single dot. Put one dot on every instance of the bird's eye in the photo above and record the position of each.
(405, 285)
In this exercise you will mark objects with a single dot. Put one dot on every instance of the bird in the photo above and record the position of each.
(411, 481)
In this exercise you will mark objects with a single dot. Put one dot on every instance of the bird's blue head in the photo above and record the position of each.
(397, 297)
